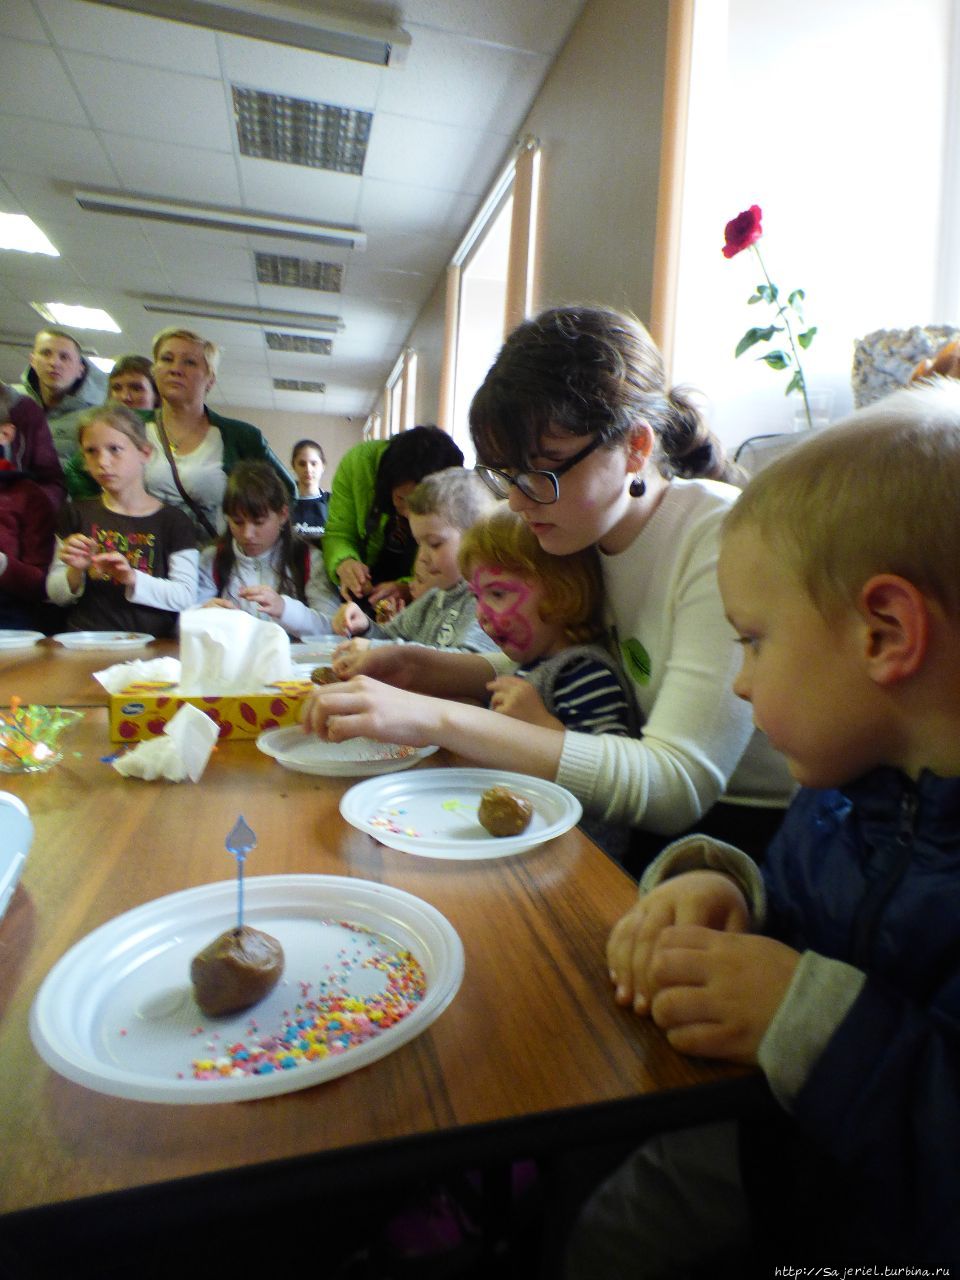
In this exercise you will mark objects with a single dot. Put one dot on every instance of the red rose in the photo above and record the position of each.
(742, 231)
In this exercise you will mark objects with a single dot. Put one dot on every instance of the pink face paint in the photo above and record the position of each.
(501, 600)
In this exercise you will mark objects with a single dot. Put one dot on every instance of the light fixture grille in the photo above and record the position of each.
(297, 384)
(299, 273)
(298, 342)
(298, 131)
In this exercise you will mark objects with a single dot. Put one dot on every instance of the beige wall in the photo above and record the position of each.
(598, 118)
(283, 430)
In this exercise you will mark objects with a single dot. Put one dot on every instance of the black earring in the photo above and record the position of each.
(638, 487)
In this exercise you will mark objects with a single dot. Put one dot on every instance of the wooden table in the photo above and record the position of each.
(52, 675)
(531, 1056)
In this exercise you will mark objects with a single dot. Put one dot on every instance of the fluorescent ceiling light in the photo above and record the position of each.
(105, 363)
(76, 317)
(205, 310)
(21, 233)
(220, 219)
(382, 44)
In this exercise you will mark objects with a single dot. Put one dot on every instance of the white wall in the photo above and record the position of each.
(830, 115)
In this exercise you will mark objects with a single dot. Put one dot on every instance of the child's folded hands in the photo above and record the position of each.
(707, 898)
(715, 994)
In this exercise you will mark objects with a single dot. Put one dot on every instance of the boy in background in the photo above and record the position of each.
(835, 967)
(441, 508)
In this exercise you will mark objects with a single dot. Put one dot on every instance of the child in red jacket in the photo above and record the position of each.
(27, 520)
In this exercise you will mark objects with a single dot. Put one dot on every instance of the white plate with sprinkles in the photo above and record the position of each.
(367, 968)
(434, 813)
(103, 639)
(306, 753)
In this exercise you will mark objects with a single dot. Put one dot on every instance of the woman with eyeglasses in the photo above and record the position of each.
(577, 430)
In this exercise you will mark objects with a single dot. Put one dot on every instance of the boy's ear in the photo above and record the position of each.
(897, 621)
(8, 433)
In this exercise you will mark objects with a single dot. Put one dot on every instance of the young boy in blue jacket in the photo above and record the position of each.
(835, 966)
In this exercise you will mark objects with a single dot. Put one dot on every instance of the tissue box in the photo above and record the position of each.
(139, 714)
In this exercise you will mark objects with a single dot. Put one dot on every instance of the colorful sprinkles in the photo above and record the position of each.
(391, 820)
(327, 1023)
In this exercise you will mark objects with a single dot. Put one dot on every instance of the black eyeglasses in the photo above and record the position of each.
(538, 486)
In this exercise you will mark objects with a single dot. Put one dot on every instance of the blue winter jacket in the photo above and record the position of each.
(871, 876)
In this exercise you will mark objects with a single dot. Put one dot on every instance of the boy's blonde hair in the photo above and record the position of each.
(455, 494)
(211, 352)
(877, 493)
(118, 416)
(572, 585)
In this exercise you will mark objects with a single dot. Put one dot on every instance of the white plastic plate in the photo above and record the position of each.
(103, 639)
(19, 639)
(306, 753)
(434, 813)
(117, 1013)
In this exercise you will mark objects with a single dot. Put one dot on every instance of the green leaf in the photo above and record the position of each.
(755, 297)
(768, 292)
(796, 297)
(776, 359)
(806, 338)
(753, 336)
(795, 383)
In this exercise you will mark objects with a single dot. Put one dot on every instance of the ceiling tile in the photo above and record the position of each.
(148, 102)
(56, 151)
(35, 83)
(436, 157)
(298, 74)
(173, 171)
(19, 18)
(298, 191)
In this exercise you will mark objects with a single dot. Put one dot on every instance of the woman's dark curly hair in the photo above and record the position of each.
(409, 457)
(589, 371)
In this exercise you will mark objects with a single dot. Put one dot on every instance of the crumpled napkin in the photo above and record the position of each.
(182, 751)
(229, 651)
(122, 675)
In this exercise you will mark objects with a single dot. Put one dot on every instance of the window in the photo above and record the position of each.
(489, 287)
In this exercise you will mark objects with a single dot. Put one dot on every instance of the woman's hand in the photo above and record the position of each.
(115, 566)
(707, 898)
(364, 708)
(349, 658)
(265, 598)
(513, 696)
(350, 620)
(218, 603)
(354, 578)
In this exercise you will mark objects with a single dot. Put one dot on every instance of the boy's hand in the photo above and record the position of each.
(706, 898)
(115, 566)
(349, 658)
(350, 620)
(397, 592)
(265, 598)
(354, 578)
(77, 551)
(364, 708)
(513, 696)
(715, 994)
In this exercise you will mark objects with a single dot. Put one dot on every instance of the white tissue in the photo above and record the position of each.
(122, 675)
(181, 752)
(228, 651)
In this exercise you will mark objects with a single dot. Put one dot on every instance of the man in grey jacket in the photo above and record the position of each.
(63, 383)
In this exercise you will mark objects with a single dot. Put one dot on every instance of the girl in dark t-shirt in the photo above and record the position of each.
(124, 561)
